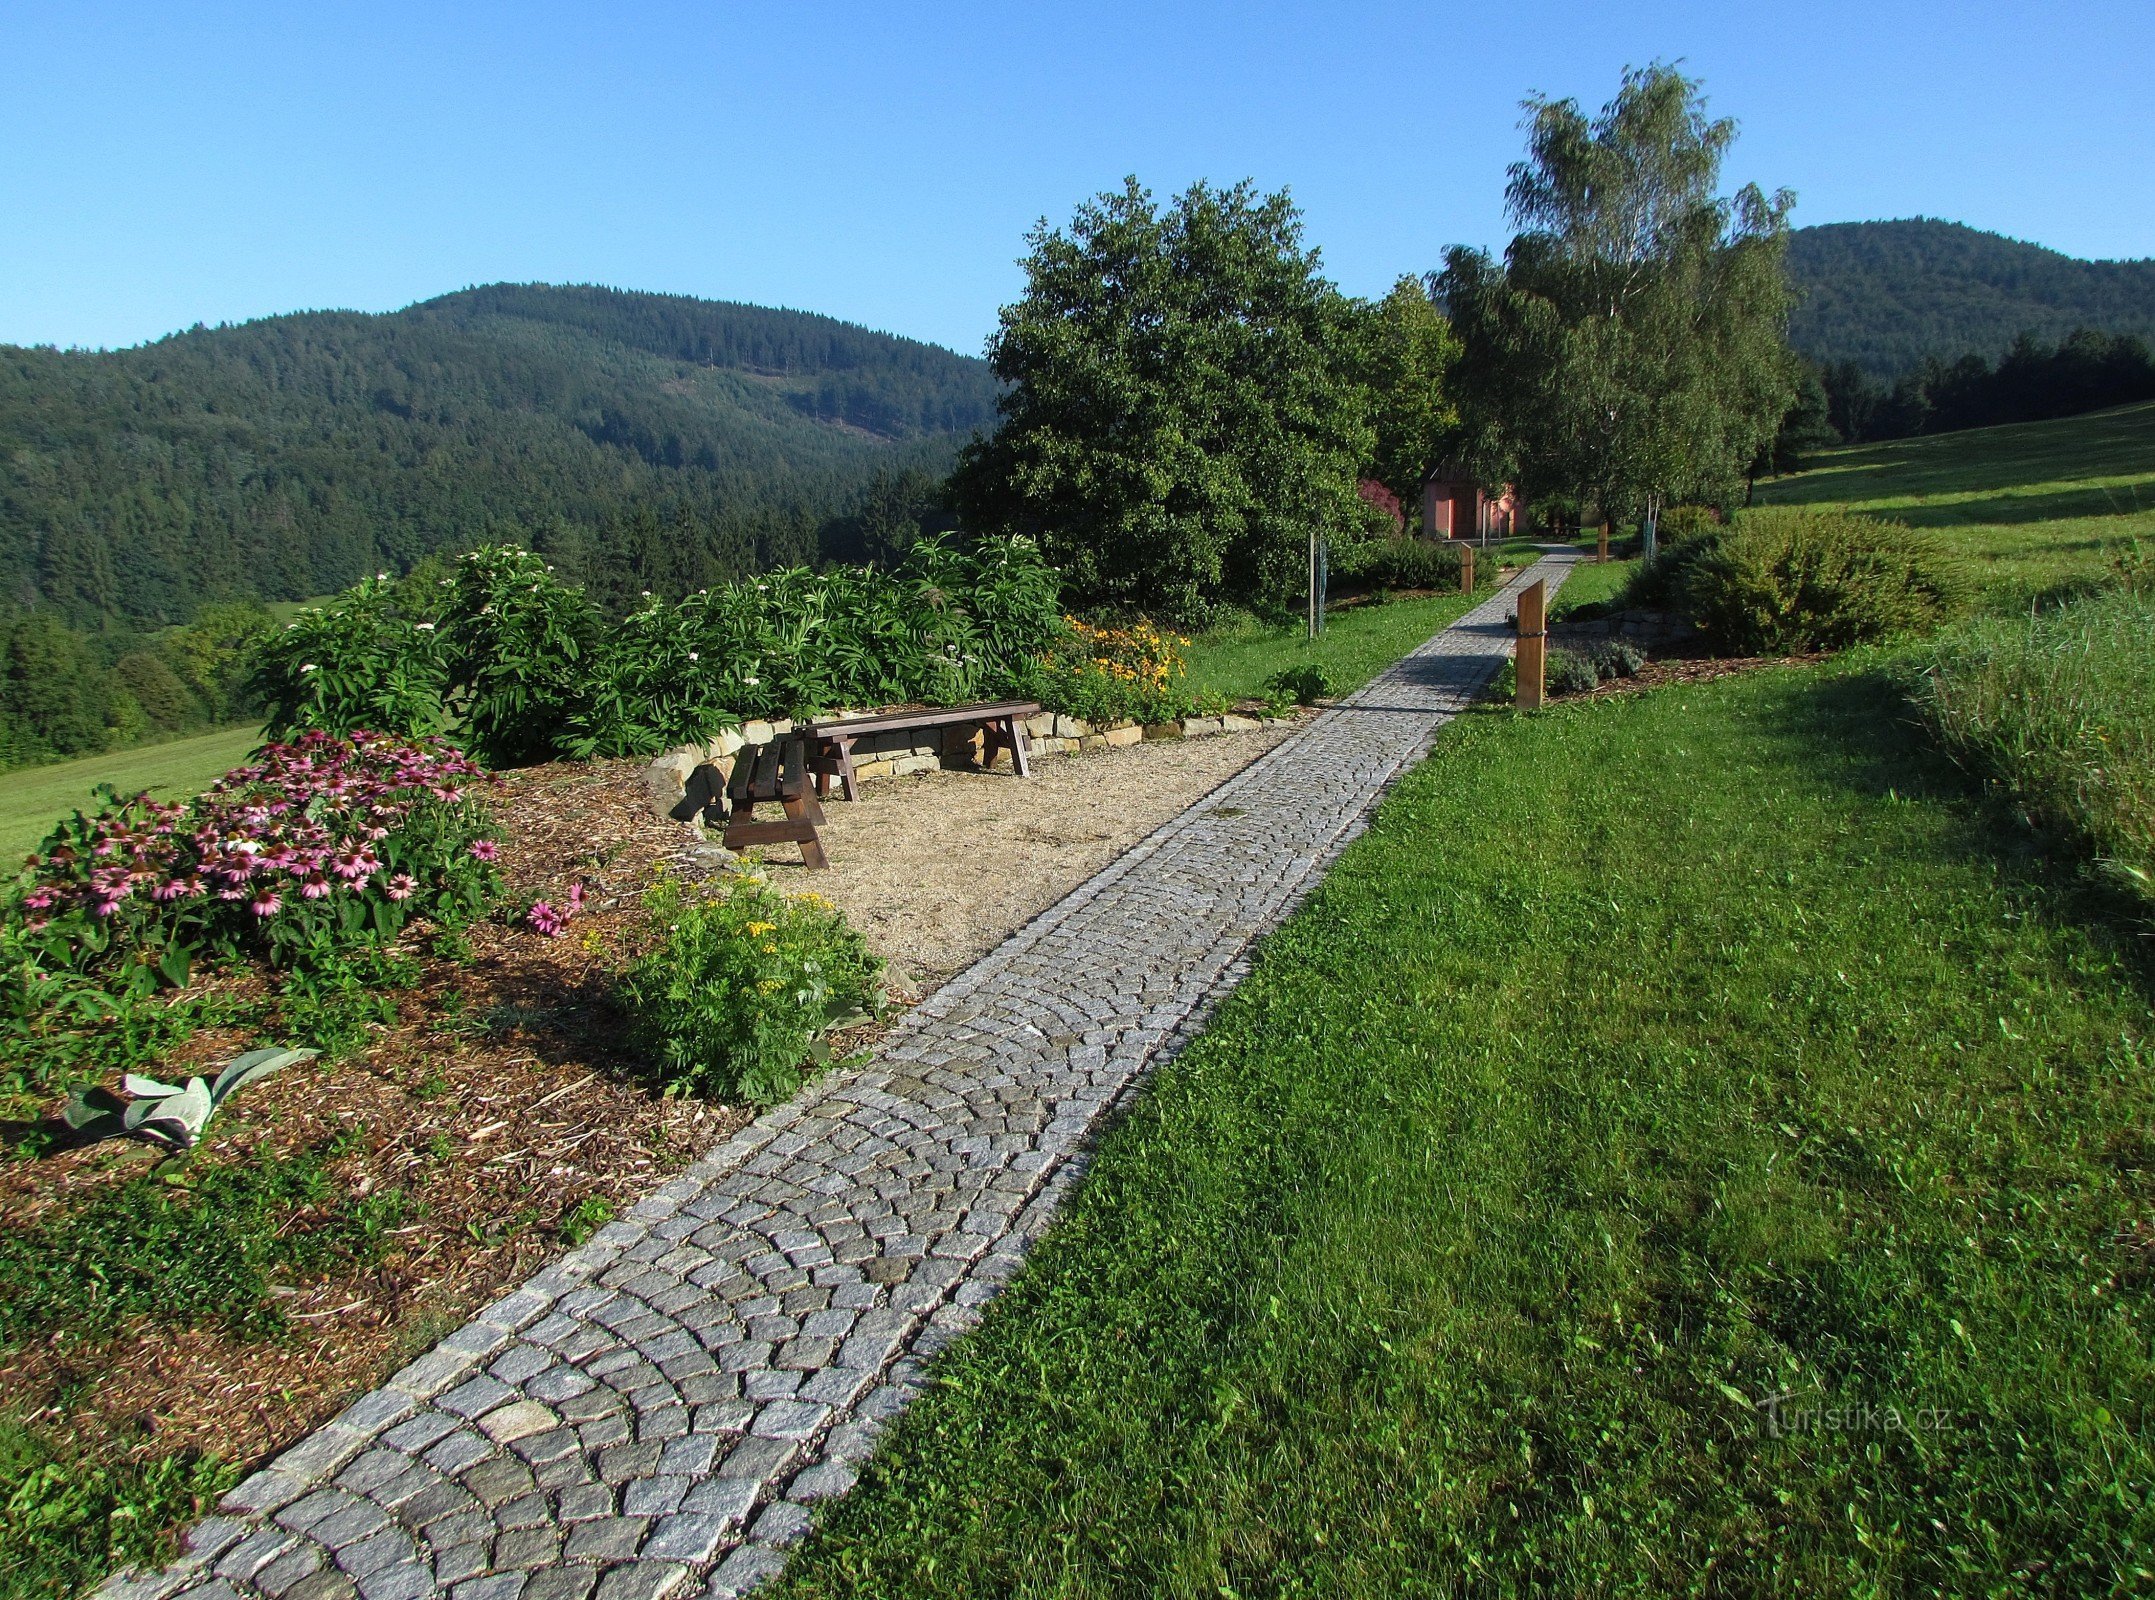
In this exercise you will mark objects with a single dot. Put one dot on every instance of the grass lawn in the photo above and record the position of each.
(1750, 1055)
(2034, 507)
(1591, 581)
(32, 800)
(1358, 643)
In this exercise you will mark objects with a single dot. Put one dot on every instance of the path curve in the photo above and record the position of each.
(657, 1412)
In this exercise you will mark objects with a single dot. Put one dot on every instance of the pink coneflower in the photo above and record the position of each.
(545, 919)
(314, 887)
(484, 850)
(402, 887)
(266, 903)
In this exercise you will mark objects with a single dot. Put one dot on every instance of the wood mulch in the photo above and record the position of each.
(1685, 670)
(499, 1102)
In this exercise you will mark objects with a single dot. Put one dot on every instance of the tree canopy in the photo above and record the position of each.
(1409, 349)
(1630, 348)
(1181, 408)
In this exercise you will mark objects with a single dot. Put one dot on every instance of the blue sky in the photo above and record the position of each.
(163, 165)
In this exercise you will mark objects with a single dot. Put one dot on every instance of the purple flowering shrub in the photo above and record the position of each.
(321, 844)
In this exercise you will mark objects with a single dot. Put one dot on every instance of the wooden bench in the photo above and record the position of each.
(778, 771)
(1002, 727)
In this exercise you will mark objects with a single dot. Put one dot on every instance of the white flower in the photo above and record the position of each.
(381, 577)
(693, 656)
(647, 594)
(309, 667)
(751, 682)
(424, 627)
(763, 586)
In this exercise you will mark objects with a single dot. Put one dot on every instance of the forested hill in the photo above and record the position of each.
(643, 440)
(1886, 295)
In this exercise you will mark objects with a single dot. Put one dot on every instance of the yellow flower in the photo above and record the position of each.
(769, 986)
(756, 930)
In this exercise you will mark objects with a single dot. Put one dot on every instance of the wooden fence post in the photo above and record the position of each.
(1533, 640)
(1466, 568)
(1601, 552)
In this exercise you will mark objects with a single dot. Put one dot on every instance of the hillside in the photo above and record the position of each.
(2032, 508)
(1885, 295)
(646, 439)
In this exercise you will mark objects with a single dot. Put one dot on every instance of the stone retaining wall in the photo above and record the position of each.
(900, 754)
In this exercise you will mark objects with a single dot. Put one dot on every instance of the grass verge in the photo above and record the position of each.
(1358, 643)
(1731, 1175)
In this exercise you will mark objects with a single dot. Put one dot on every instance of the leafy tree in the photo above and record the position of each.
(1181, 410)
(1409, 349)
(1805, 426)
(1630, 348)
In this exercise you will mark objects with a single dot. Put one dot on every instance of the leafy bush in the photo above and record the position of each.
(520, 643)
(1109, 674)
(1786, 579)
(1302, 686)
(1617, 658)
(321, 844)
(742, 984)
(1397, 564)
(1568, 672)
(2060, 708)
(524, 666)
(374, 657)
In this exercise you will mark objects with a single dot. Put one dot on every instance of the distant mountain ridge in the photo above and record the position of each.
(1885, 295)
(654, 440)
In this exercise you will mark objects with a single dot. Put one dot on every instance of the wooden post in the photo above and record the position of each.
(1601, 542)
(1466, 568)
(1533, 640)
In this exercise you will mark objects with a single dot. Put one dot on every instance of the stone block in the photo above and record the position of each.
(1235, 724)
(1042, 726)
(1127, 734)
(1070, 727)
(905, 766)
(1162, 730)
(1200, 727)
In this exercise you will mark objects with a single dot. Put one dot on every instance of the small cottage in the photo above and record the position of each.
(1455, 506)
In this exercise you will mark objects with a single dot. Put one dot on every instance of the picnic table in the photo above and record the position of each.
(1002, 728)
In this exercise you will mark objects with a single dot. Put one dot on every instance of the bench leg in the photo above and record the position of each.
(1018, 742)
(802, 808)
(848, 785)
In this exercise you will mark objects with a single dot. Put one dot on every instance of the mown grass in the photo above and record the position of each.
(2033, 509)
(1752, 1056)
(1590, 583)
(34, 799)
(1358, 642)
(2060, 708)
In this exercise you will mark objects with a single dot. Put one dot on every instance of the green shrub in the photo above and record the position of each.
(1568, 672)
(1400, 563)
(742, 984)
(520, 643)
(1302, 686)
(374, 658)
(1785, 579)
(2060, 708)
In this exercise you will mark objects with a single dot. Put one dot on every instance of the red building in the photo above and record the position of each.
(1456, 507)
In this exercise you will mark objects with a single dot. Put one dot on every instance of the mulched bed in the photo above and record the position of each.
(499, 1102)
(1680, 670)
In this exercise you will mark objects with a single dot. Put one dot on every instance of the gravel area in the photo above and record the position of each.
(939, 868)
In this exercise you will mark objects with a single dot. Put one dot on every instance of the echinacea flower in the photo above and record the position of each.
(266, 903)
(484, 850)
(402, 887)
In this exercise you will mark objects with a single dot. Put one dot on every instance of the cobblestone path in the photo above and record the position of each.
(656, 1413)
